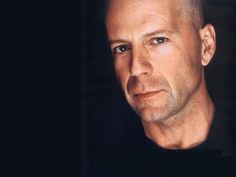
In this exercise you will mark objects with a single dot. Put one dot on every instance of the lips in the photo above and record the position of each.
(146, 95)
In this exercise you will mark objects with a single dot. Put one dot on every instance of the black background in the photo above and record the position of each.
(108, 123)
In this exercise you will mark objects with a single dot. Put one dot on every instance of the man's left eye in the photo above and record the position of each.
(159, 40)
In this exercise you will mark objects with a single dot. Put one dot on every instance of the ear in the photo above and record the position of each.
(208, 40)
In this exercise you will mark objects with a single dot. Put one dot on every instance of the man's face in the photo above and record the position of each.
(157, 55)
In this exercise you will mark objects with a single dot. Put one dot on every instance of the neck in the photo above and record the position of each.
(186, 129)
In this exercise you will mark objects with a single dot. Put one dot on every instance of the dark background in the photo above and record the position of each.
(108, 123)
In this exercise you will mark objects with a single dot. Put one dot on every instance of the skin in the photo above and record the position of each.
(159, 58)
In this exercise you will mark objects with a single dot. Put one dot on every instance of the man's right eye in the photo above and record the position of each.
(120, 49)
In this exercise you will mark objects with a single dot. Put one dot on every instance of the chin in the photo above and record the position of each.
(153, 114)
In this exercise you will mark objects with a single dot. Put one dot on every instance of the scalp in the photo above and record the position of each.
(196, 11)
(192, 9)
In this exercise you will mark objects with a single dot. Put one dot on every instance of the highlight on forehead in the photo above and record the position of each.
(190, 8)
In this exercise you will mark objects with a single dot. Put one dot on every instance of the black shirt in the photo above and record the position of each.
(137, 156)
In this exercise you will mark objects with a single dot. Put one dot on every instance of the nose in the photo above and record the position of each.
(140, 63)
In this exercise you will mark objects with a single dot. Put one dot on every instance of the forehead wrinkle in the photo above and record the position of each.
(169, 18)
(161, 16)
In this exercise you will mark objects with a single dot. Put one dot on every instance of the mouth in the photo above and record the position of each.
(146, 95)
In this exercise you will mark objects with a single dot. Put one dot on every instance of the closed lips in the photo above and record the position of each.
(146, 94)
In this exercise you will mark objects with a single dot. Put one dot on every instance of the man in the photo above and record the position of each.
(160, 49)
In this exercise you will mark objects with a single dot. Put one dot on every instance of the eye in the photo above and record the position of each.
(120, 49)
(158, 40)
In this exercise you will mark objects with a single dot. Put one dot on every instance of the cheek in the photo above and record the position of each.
(167, 60)
(122, 72)
(178, 66)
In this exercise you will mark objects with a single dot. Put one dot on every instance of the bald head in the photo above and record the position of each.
(196, 11)
(193, 9)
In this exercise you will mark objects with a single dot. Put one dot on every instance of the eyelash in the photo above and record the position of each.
(123, 48)
(160, 40)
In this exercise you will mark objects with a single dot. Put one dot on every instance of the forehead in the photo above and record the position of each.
(125, 14)
(147, 4)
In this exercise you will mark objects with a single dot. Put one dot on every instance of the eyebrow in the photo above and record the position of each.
(149, 34)
(118, 41)
(156, 32)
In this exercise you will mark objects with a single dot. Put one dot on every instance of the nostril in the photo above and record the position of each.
(133, 75)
